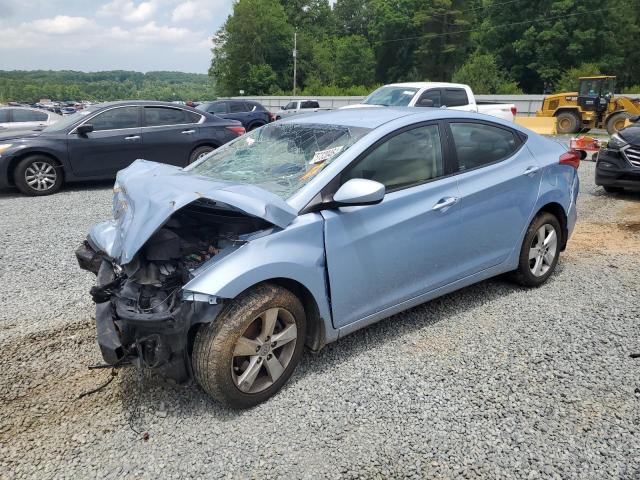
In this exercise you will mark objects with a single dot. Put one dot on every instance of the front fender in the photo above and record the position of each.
(294, 253)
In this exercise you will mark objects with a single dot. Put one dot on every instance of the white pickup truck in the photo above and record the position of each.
(455, 96)
(298, 107)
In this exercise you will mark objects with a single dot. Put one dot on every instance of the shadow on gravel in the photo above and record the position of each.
(73, 187)
(144, 396)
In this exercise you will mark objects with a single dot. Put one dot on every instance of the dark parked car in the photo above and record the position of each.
(618, 164)
(98, 141)
(250, 113)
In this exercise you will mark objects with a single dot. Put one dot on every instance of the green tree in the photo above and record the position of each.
(256, 34)
(262, 79)
(569, 81)
(354, 61)
(482, 74)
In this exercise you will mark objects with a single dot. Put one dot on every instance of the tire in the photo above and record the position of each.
(38, 175)
(223, 364)
(530, 273)
(568, 122)
(199, 152)
(616, 122)
(613, 189)
(253, 126)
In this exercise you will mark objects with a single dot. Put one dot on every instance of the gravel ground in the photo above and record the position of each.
(493, 381)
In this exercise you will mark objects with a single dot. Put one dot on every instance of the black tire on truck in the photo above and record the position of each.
(568, 122)
(616, 122)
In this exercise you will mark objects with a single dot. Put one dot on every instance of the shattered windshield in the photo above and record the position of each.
(279, 157)
(391, 96)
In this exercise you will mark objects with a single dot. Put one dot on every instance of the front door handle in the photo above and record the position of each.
(445, 203)
(531, 171)
(132, 137)
(188, 132)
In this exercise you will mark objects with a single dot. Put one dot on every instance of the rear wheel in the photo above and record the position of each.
(251, 350)
(616, 122)
(568, 122)
(540, 251)
(200, 152)
(38, 175)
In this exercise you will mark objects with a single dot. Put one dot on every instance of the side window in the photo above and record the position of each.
(116, 118)
(158, 116)
(20, 115)
(238, 107)
(4, 115)
(290, 106)
(192, 117)
(478, 144)
(430, 98)
(309, 104)
(218, 108)
(407, 159)
(455, 97)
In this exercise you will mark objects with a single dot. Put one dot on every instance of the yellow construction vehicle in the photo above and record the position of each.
(594, 106)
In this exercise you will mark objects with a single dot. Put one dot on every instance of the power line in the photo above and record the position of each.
(537, 20)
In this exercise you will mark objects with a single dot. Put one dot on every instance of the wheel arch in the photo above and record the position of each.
(31, 153)
(574, 110)
(557, 211)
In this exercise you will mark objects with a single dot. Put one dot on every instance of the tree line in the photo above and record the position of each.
(496, 46)
(31, 86)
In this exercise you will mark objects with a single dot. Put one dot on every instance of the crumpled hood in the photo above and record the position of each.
(147, 193)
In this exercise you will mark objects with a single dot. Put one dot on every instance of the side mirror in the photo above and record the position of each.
(82, 130)
(282, 107)
(359, 191)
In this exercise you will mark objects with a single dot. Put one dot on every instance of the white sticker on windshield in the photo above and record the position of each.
(324, 155)
(407, 92)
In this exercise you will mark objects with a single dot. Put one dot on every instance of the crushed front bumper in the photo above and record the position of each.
(160, 341)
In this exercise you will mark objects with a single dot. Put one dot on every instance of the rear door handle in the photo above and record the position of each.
(445, 203)
(531, 171)
(188, 132)
(132, 137)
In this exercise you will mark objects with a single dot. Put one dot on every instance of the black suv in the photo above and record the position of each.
(618, 165)
(95, 143)
(251, 114)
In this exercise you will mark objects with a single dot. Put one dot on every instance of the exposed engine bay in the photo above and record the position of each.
(140, 307)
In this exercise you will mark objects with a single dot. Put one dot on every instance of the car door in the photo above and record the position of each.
(114, 143)
(169, 134)
(381, 255)
(498, 181)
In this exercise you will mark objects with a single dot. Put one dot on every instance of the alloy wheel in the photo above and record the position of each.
(542, 251)
(41, 176)
(264, 350)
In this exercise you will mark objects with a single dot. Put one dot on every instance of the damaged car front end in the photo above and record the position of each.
(167, 225)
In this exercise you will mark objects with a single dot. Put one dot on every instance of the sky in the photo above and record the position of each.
(93, 35)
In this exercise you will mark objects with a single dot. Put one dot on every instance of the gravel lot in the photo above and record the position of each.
(492, 381)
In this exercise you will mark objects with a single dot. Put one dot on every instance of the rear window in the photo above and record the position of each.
(158, 116)
(239, 107)
(309, 104)
(455, 97)
(479, 144)
(20, 115)
(4, 115)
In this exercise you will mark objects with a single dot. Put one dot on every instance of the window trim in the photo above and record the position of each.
(521, 138)
(95, 114)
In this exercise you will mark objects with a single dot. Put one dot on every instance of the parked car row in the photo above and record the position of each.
(98, 141)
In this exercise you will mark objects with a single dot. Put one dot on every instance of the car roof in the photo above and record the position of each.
(145, 103)
(427, 85)
(371, 117)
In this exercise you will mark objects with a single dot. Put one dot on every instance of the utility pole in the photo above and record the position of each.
(295, 59)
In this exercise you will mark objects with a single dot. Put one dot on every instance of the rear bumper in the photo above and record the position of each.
(159, 341)
(614, 170)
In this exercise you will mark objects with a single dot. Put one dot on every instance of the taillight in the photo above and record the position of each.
(237, 130)
(272, 117)
(571, 158)
(514, 110)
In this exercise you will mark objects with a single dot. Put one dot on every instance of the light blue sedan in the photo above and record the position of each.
(307, 229)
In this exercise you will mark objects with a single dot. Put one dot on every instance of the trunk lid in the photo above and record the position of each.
(146, 194)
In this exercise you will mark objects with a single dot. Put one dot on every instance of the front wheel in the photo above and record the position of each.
(38, 175)
(200, 152)
(613, 189)
(540, 251)
(247, 354)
